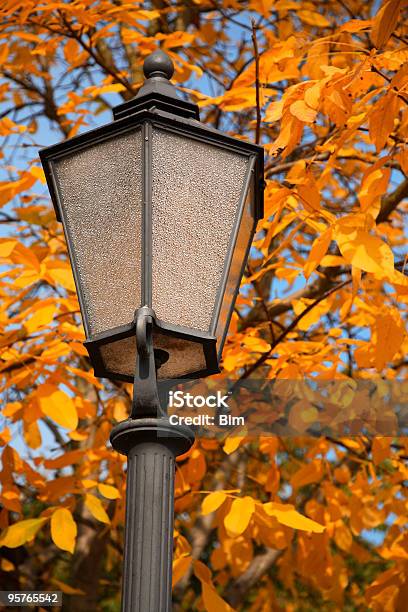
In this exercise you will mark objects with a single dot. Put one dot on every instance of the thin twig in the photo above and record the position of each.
(257, 84)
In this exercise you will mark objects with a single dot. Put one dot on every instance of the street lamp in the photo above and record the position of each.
(159, 212)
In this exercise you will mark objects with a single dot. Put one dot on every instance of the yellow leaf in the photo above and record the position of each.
(262, 6)
(314, 315)
(355, 25)
(88, 483)
(67, 458)
(382, 118)
(43, 315)
(239, 516)
(289, 136)
(5, 436)
(233, 442)
(374, 184)
(7, 246)
(367, 252)
(390, 335)
(57, 405)
(302, 111)
(71, 50)
(274, 111)
(147, 14)
(212, 601)
(108, 491)
(38, 173)
(287, 515)
(78, 436)
(255, 344)
(380, 449)
(330, 261)
(60, 273)
(32, 434)
(21, 532)
(313, 95)
(213, 501)
(385, 22)
(95, 507)
(202, 572)
(120, 409)
(317, 252)
(309, 194)
(63, 529)
(313, 18)
(308, 473)
(95, 91)
(180, 568)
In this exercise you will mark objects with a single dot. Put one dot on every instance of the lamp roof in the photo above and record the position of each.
(157, 91)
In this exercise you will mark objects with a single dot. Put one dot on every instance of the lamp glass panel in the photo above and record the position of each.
(196, 192)
(100, 196)
(185, 357)
(242, 243)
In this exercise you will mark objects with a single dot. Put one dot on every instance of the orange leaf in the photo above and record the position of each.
(317, 252)
(385, 22)
(180, 568)
(212, 601)
(302, 111)
(32, 434)
(390, 335)
(308, 473)
(343, 537)
(382, 118)
(309, 194)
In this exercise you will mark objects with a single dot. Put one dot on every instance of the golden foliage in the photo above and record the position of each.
(324, 297)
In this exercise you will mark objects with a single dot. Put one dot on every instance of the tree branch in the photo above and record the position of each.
(259, 566)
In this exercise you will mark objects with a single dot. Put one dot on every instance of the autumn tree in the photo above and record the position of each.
(284, 522)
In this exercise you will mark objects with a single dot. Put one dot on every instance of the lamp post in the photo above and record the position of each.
(159, 212)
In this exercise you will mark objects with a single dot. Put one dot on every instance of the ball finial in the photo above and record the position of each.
(158, 64)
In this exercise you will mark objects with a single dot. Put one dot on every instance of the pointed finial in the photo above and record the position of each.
(158, 64)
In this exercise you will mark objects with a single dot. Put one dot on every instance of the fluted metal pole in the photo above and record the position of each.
(151, 446)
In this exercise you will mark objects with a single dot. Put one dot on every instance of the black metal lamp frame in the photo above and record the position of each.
(167, 112)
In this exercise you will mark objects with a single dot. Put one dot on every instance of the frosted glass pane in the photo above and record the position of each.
(101, 196)
(185, 356)
(243, 240)
(120, 356)
(195, 197)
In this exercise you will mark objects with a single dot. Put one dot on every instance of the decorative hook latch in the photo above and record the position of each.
(146, 402)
